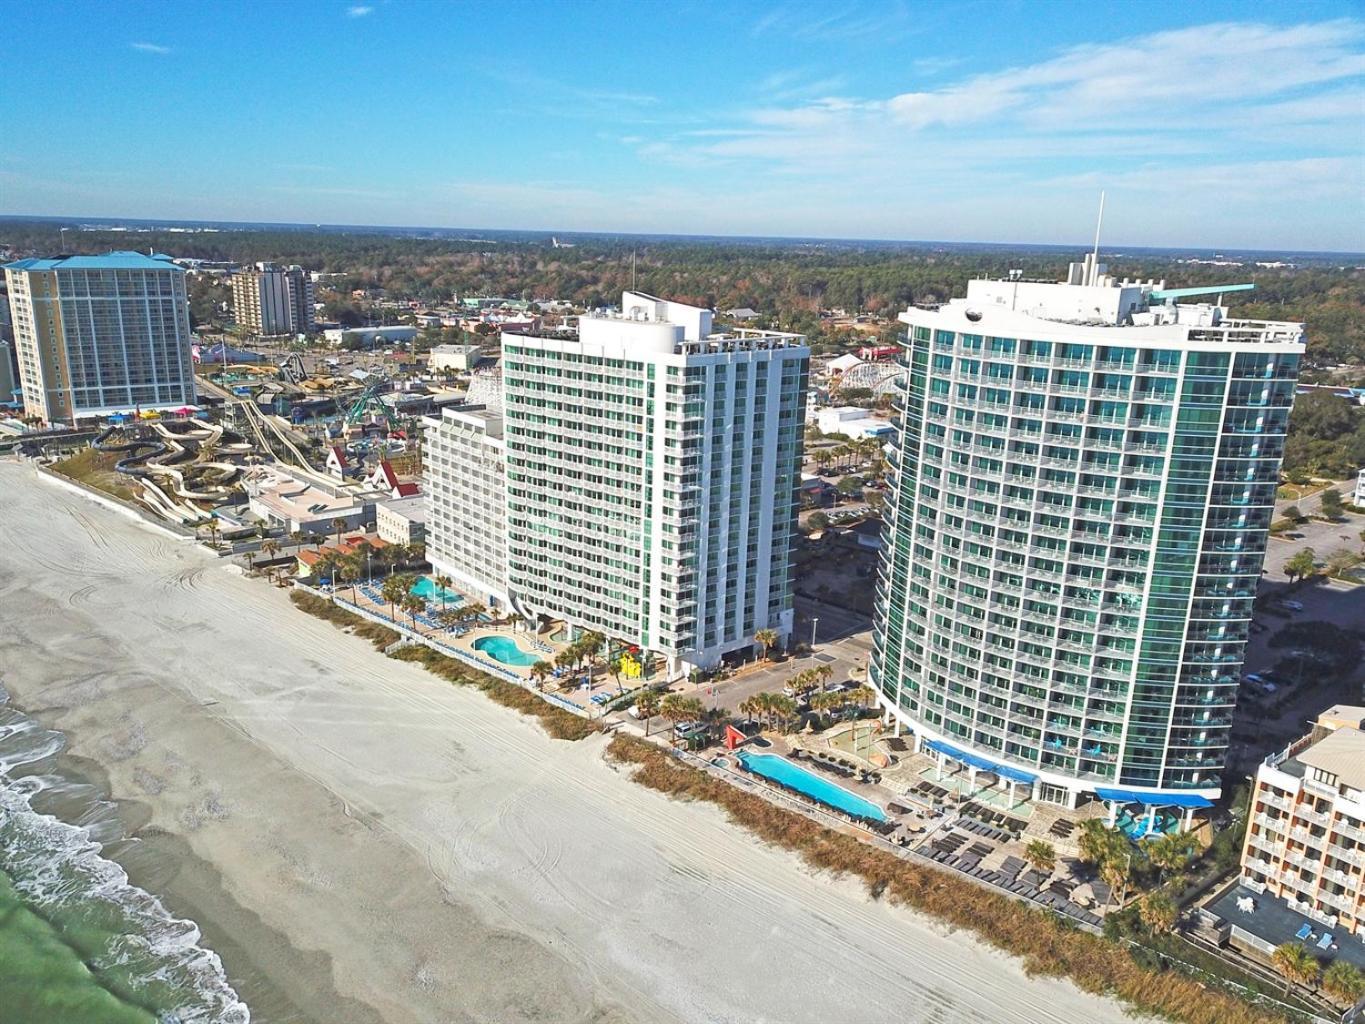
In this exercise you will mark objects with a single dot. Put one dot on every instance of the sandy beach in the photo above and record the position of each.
(361, 842)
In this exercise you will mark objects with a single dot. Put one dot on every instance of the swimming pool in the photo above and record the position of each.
(427, 590)
(779, 769)
(505, 650)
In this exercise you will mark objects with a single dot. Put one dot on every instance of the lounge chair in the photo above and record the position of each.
(1303, 933)
(1326, 941)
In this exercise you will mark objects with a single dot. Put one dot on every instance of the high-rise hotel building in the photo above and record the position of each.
(269, 299)
(650, 484)
(98, 335)
(1084, 476)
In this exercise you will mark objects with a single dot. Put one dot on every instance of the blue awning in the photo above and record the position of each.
(1128, 796)
(985, 764)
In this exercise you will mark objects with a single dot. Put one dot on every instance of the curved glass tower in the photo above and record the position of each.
(1084, 476)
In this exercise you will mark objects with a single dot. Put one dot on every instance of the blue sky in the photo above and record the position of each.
(1211, 124)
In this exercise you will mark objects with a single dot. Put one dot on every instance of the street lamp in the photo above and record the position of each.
(815, 621)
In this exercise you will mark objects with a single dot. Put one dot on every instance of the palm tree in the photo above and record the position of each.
(1171, 852)
(1097, 841)
(449, 618)
(412, 604)
(828, 703)
(647, 704)
(338, 525)
(1041, 856)
(824, 674)
(442, 582)
(1343, 981)
(296, 538)
(614, 667)
(677, 708)
(863, 695)
(1116, 872)
(751, 707)
(214, 530)
(417, 552)
(1293, 960)
(1158, 912)
(394, 589)
(591, 644)
(270, 548)
(539, 671)
(767, 639)
(802, 683)
(782, 708)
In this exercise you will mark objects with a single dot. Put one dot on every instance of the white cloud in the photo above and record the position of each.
(150, 48)
(358, 11)
(1199, 129)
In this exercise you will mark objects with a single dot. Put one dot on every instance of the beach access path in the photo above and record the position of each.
(364, 842)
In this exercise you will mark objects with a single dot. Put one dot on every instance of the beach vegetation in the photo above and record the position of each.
(1296, 964)
(557, 722)
(320, 607)
(1047, 945)
(1344, 982)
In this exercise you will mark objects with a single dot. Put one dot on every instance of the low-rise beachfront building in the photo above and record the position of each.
(652, 470)
(464, 462)
(401, 520)
(302, 506)
(1306, 838)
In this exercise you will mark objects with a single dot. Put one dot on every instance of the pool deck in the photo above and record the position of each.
(460, 642)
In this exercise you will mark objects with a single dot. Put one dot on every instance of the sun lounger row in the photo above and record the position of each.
(928, 789)
(996, 819)
(977, 828)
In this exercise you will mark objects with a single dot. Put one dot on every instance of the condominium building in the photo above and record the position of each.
(1306, 838)
(652, 470)
(270, 299)
(464, 462)
(101, 334)
(1084, 476)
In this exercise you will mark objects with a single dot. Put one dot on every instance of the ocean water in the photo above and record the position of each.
(78, 942)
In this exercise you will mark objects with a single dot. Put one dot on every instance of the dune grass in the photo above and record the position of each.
(1047, 945)
(320, 607)
(95, 469)
(560, 724)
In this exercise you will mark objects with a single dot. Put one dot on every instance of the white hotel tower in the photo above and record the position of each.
(650, 473)
(1084, 475)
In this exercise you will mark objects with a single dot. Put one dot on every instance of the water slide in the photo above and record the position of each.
(262, 423)
(157, 458)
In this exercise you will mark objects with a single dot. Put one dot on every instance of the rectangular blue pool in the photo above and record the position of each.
(779, 769)
(427, 590)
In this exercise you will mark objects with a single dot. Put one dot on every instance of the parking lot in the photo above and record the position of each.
(1267, 722)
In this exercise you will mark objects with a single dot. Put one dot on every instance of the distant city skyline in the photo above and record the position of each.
(1236, 125)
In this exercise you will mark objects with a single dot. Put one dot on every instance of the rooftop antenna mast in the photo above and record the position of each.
(632, 270)
(1095, 255)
